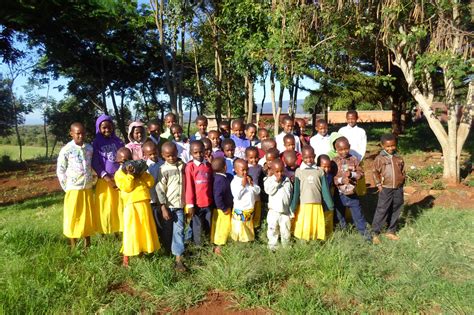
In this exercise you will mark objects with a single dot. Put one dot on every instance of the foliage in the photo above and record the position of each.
(7, 117)
(420, 175)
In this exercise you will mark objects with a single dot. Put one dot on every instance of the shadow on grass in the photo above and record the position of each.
(34, 203)
(413, 211)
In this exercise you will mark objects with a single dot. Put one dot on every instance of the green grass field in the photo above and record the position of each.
(430, 270)
(29, 152)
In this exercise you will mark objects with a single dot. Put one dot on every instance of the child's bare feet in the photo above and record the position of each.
(179, 266)
(392, 236)
(125, 261)
(376, 240)
(217, 250)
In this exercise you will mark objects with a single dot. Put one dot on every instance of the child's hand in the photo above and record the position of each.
(165, 212)
(379, 188)
(292, 179)
(278, 177)
(347, 174)
(130, 169)
(250, 180)
(244, 181)
(110, 181)
(346, 180)
(191, 211)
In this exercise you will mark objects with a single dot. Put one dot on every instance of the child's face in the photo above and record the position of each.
(225, 130)
(238, 129)
(78, 134)
(207, 148)
(289, 144)
(270, 157)
(252, 157)
(197, 152)
(177, 133)
(250, 133)
(169, 121)
(308, 157)
(106, 128)
(288, 126)
(343, 148)
(123, 156)
(325, 165)
(390, 146)
(214, 137)
(151, 153)
(229, 150)
(278, 171)
(290, 162)
(351, 119)
(322, 129)
(170, 155)
(241, 169)
(202, 126)
(138, 133)
(154, 130)
(263, 134)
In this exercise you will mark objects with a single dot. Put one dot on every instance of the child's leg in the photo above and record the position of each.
(381, 212)
(285, 229)
(125, 261)
(340, 209)
(273, 229)
(353, 203)
(397, 209)
(87, 241)
(177, 244)
(201, 221)
(72, 242)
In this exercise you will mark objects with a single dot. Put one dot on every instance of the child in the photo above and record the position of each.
(139, 230)
(272, 154)
(214, 136)
(207, 149)
(256, 172)
(181, 143)
(300, 131)
(222, 216)
(136, 136)
(389, 177)
(250, 134)
(238, 136)
(107, 199)
(320, 141)
(170, 120)
(244, 192)
(267, 145)
(224, 129)
(290, 159)
(355, 135)
(228, 147)
(154, 131)
(279, 190)
(262, 136)
(325, 163)
(310, 190)
(74, 171)
(287, 124)
(201, 124)
(289, 142)
(348, 171)
(199, 191)
(170, 190)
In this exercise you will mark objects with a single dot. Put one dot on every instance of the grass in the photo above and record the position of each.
(29, 152)
(430, 270)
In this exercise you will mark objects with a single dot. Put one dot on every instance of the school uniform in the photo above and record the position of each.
(256, 172)
(242, 214)
(357, 139)
(320, 144)
(240, 145)
(222, 215)
(281, 145)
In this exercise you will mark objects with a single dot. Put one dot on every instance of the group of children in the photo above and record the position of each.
(161, 189)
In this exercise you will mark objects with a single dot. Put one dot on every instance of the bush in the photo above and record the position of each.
(419, 175)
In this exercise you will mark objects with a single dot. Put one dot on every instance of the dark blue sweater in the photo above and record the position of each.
(222, 193)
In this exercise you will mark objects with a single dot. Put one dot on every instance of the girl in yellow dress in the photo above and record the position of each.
(139, 230)
(310, 190)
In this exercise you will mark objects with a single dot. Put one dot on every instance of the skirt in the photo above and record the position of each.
(242, 226)
(309, 222)
(220, 227)
(257, 214)
(108, 208)
(139, 229)
(78, 219)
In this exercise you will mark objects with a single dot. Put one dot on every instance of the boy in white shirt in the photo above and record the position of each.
(356, 135)
(181, 144)
(320, 141)
(288, 124)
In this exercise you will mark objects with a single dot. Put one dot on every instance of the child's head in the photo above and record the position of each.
(288, 123)
(268, 144)
(251, 155)
(207, 147)
(263, 134)
(308, 155)
(150, 151)
(177, 132)
(238, 127)
(289, 157)
(289, 142)
(201, 124)
(196, 149)
(300, 123)
(351, 117)
(136, 132)
(214, 136)
(342, 147)
(278, 169)
(154, 128)
(321, 127)
(250, 131)
(77, 133)
(324, 162)
(272, 154)
(228, 147)
(106, 128)
(170, 120)
(241, 167)
(169, 152)
(389, 143)
(224, 128)
(218, 165)
(123, 154)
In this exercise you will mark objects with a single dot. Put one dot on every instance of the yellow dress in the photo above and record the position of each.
(242, 226)
(257, 214)
(78, 219)
(220, 227)
(309, 222)
(139, 229)
(109, 209)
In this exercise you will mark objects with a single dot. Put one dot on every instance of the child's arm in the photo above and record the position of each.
(359, 172)
(97, 161)
(377, 173)
(218, 194)
(326, 193)
(125, 182)
(270, 185)
(161, 188)
(190, 189)
(237, 188)
(147, 179)
(296, 196)
(61, 169)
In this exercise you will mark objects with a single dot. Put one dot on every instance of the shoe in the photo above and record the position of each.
(376, 240)
(392, 236)
(180, 267)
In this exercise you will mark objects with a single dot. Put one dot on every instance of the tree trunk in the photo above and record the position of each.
(280, 106)
(295, 97)
(263, 101)
(229, 101)
(118, 115)
(250, 101)
(54, 147)
(246, 98)
(45, 123)
(272, 97)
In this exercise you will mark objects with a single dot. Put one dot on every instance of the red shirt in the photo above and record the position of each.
(198, 184)
(299, 158)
